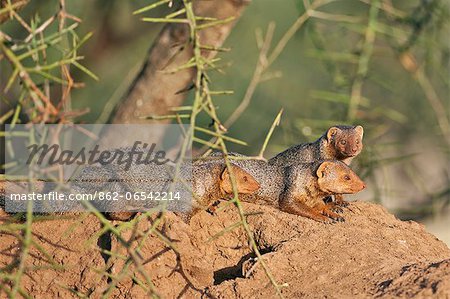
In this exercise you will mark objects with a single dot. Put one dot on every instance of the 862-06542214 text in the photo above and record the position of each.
(107, 196)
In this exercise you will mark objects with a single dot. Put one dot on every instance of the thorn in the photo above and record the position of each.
(190, 87)
(222, 128)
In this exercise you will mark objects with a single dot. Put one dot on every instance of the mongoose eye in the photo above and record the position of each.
(347, 178)
(343, 142)
(357, 141)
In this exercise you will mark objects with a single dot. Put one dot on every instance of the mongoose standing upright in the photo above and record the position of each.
(341, 143)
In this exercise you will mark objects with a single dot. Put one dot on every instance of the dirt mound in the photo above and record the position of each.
(418, 280)
(372, 254)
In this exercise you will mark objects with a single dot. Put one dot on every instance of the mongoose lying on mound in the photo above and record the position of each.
(307, 184)
(341, 143)
(300, 188)
(209, 182)
(212, 181)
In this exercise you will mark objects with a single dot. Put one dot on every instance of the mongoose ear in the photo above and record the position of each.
(225, 181)
(322, 169)
(246, 183)
(360, 130)
(332, 132)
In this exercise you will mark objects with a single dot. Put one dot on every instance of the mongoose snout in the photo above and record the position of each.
(336, 177)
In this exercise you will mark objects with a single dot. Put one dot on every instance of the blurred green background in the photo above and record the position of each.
(406, 156)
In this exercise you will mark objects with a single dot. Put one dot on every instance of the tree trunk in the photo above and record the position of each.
(154, 90)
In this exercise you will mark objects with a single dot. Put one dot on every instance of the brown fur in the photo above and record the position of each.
(306, 185)
(245, 183)
(341, 143)
(212, 181)
(344, 144)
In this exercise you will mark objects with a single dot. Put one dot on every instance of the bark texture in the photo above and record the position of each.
(154, 90)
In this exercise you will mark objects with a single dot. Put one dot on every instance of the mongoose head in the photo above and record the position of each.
(336, 177)
(346, 140)
(245, 182)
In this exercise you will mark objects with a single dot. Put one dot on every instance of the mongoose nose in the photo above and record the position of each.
(363, 186)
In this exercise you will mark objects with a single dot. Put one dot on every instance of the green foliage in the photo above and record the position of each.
(382, 64)
(39, 55)
(364, 55)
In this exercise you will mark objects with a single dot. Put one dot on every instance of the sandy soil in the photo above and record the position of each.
(372, 254)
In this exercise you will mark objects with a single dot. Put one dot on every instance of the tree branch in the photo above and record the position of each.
(156, 90)
(6, 8)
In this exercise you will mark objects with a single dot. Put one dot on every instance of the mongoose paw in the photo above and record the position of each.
(337, 219)
(339, 200)
(338, 210)
(328, 221)
(335, 208)
(334, 216)
(212, 209)
(325, 219)
(340, 219)
(334, 220)
(319, 218)
(341, 203)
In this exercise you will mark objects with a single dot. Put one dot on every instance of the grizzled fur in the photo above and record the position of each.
(209, 182)
(299, 188)
(269, 177)
(338, 143)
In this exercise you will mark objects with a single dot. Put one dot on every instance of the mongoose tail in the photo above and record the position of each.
(308, 184)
